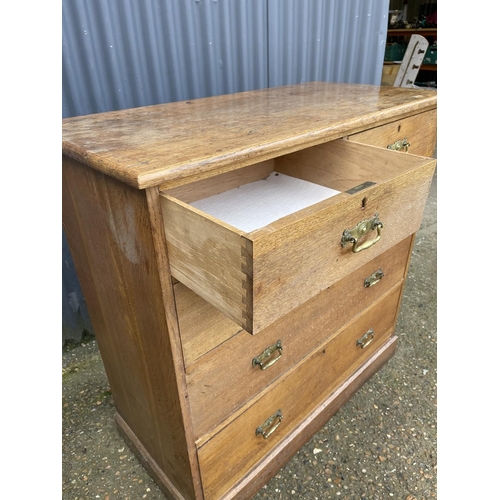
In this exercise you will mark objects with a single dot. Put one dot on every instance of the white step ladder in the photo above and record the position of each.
(412, 60)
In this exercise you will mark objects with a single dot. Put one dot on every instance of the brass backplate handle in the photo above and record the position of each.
(264, 360)
(270, 425)
(354, 234)
(366, 339)
(401, 145)
(374, 278)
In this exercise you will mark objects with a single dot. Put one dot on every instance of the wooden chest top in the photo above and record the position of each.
(169, 143)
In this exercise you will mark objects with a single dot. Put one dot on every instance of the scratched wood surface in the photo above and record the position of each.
(173, 143)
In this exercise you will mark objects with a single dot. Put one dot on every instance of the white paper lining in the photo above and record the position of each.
(259, 203)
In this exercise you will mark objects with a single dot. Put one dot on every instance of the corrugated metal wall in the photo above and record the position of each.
(75, 318)
(326, 40)
(119, 54)
(125, 53)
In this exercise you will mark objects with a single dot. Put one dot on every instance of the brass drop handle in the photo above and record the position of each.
(270, 425)
(366, 339)
(374, 278)
(354, 234)
(401, 145)
(264, 360)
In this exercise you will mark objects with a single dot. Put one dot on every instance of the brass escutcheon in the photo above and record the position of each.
(366, 339)
(270, 425)
(263, 361)
(401, 145)
(374, 278)
(354, 234)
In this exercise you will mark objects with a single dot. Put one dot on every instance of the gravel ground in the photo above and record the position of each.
(381, 444)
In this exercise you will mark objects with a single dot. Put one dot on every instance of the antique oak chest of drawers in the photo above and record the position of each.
(243, 258)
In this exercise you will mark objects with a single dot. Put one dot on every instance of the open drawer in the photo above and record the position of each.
(368, 199)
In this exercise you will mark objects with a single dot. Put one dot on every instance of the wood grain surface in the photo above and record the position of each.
(202, 326)
(204, 188)
(211, 258)
(300, 258)
(419, 130)
(256, 278)
(265, 469)
(296, 395)
(177, 142)
(188, 399)
(223, 381)
(111, 236)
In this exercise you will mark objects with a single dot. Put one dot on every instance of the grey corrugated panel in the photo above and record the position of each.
(326, 40)
(127, 53)
(75, 317)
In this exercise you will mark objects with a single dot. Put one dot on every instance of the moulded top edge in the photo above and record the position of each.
(150, 145)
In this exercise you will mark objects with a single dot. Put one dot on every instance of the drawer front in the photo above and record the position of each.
(418, 130)
(300, 260)
(256, 278)
(230, 454)
(223, 380)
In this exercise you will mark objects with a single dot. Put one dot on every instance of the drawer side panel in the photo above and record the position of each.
(197, 246)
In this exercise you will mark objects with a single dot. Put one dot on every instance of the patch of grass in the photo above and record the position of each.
(71, 344)
(106, 394)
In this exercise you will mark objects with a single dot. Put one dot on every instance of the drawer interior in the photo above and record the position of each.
(256, 274)
(256, 196)
(259, 203)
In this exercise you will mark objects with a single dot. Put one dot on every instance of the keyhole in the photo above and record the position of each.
(363, 203)
(399, 128)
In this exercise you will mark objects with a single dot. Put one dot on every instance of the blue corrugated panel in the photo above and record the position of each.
(75, 317)
(126, 53)
(326, 40)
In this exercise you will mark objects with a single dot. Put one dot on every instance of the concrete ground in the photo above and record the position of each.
(381, 444)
